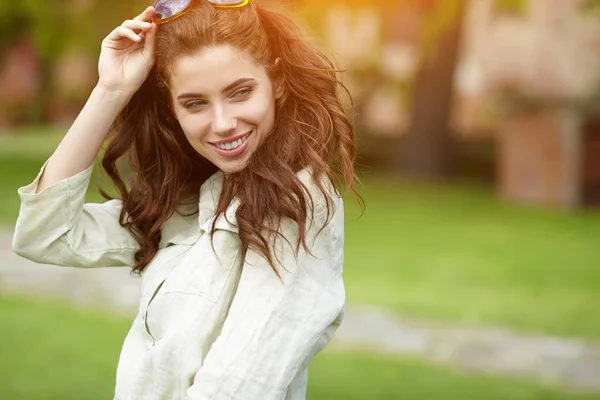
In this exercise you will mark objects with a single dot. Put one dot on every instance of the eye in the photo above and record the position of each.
(243, 92)
(194, 104)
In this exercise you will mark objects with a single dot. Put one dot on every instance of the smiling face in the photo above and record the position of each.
(225, 104)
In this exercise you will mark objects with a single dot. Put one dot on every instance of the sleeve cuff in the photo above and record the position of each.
(77, 182)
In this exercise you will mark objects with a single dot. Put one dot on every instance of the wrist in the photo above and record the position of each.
(115, 98)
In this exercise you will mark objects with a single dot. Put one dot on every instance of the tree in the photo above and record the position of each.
(425, 152)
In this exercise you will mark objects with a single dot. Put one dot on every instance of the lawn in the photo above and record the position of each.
(450, 253)
(459, 254)
(53, 351)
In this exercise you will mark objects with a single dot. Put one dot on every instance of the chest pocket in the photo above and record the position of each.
(202, 271)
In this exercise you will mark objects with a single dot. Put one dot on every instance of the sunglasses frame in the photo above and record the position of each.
(189, 7)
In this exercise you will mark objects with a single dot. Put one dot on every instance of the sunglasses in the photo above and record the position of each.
(168, 10)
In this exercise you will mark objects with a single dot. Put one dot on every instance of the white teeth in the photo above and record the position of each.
(232, 145)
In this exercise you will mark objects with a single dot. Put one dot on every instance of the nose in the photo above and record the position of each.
(222, 122)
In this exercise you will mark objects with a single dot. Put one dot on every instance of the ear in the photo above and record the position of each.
(278, 83)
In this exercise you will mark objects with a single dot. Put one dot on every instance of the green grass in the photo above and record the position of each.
(50, 351)
(53, 351)
(358, 376)
(448, 253)
(459, 254)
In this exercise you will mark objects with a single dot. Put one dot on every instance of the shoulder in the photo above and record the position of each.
(322, 193)
(323, 232)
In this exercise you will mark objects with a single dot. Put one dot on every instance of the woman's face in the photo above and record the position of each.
(225, 104)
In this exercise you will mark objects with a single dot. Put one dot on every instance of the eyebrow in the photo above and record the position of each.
(227, 88)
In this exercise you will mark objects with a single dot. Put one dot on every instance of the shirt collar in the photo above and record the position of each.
(181, 229)
(210, 192)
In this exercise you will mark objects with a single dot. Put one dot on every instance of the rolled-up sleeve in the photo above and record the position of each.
(274, 328)
(57, 227)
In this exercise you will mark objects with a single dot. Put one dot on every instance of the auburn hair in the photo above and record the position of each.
(311, 130)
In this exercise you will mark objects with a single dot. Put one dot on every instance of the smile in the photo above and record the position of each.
(234, 144)
(233, 147)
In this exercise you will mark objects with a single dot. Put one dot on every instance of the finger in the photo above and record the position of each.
(137, 26)
(143, 33)
(149, 41)
(146, 15)
(121, 32)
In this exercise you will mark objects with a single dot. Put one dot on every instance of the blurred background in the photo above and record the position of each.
(475, 271)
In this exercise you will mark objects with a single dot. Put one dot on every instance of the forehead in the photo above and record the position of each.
(213, 68)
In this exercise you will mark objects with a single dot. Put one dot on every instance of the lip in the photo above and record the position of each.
(231, 139)
(238, 150)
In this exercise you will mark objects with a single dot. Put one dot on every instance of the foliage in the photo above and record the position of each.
(439, 20)
(591, 6)
(57, 26)
(511, 6)
(48, 22)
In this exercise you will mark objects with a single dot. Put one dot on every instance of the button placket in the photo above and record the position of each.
(162, 280)
(145, 316)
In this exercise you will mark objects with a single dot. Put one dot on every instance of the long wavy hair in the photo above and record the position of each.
(311, 130)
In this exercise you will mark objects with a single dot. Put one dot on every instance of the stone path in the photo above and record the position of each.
(572, 363)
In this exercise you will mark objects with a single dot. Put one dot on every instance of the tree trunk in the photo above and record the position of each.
(426, 149)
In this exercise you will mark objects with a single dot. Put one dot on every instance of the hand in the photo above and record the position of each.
(127, 54)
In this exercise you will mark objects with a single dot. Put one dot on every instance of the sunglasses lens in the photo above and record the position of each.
(226, 2)
(166, 9)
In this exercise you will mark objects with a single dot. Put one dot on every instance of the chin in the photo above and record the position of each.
(232, 168)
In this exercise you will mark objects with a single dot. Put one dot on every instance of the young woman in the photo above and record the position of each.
(237, 147)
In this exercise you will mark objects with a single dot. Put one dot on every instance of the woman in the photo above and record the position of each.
(237, 144)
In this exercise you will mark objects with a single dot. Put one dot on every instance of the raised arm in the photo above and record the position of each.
(54, 224)
(125, 61)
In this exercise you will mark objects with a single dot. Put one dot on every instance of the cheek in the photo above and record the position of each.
(193, 126)
(264, 112)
